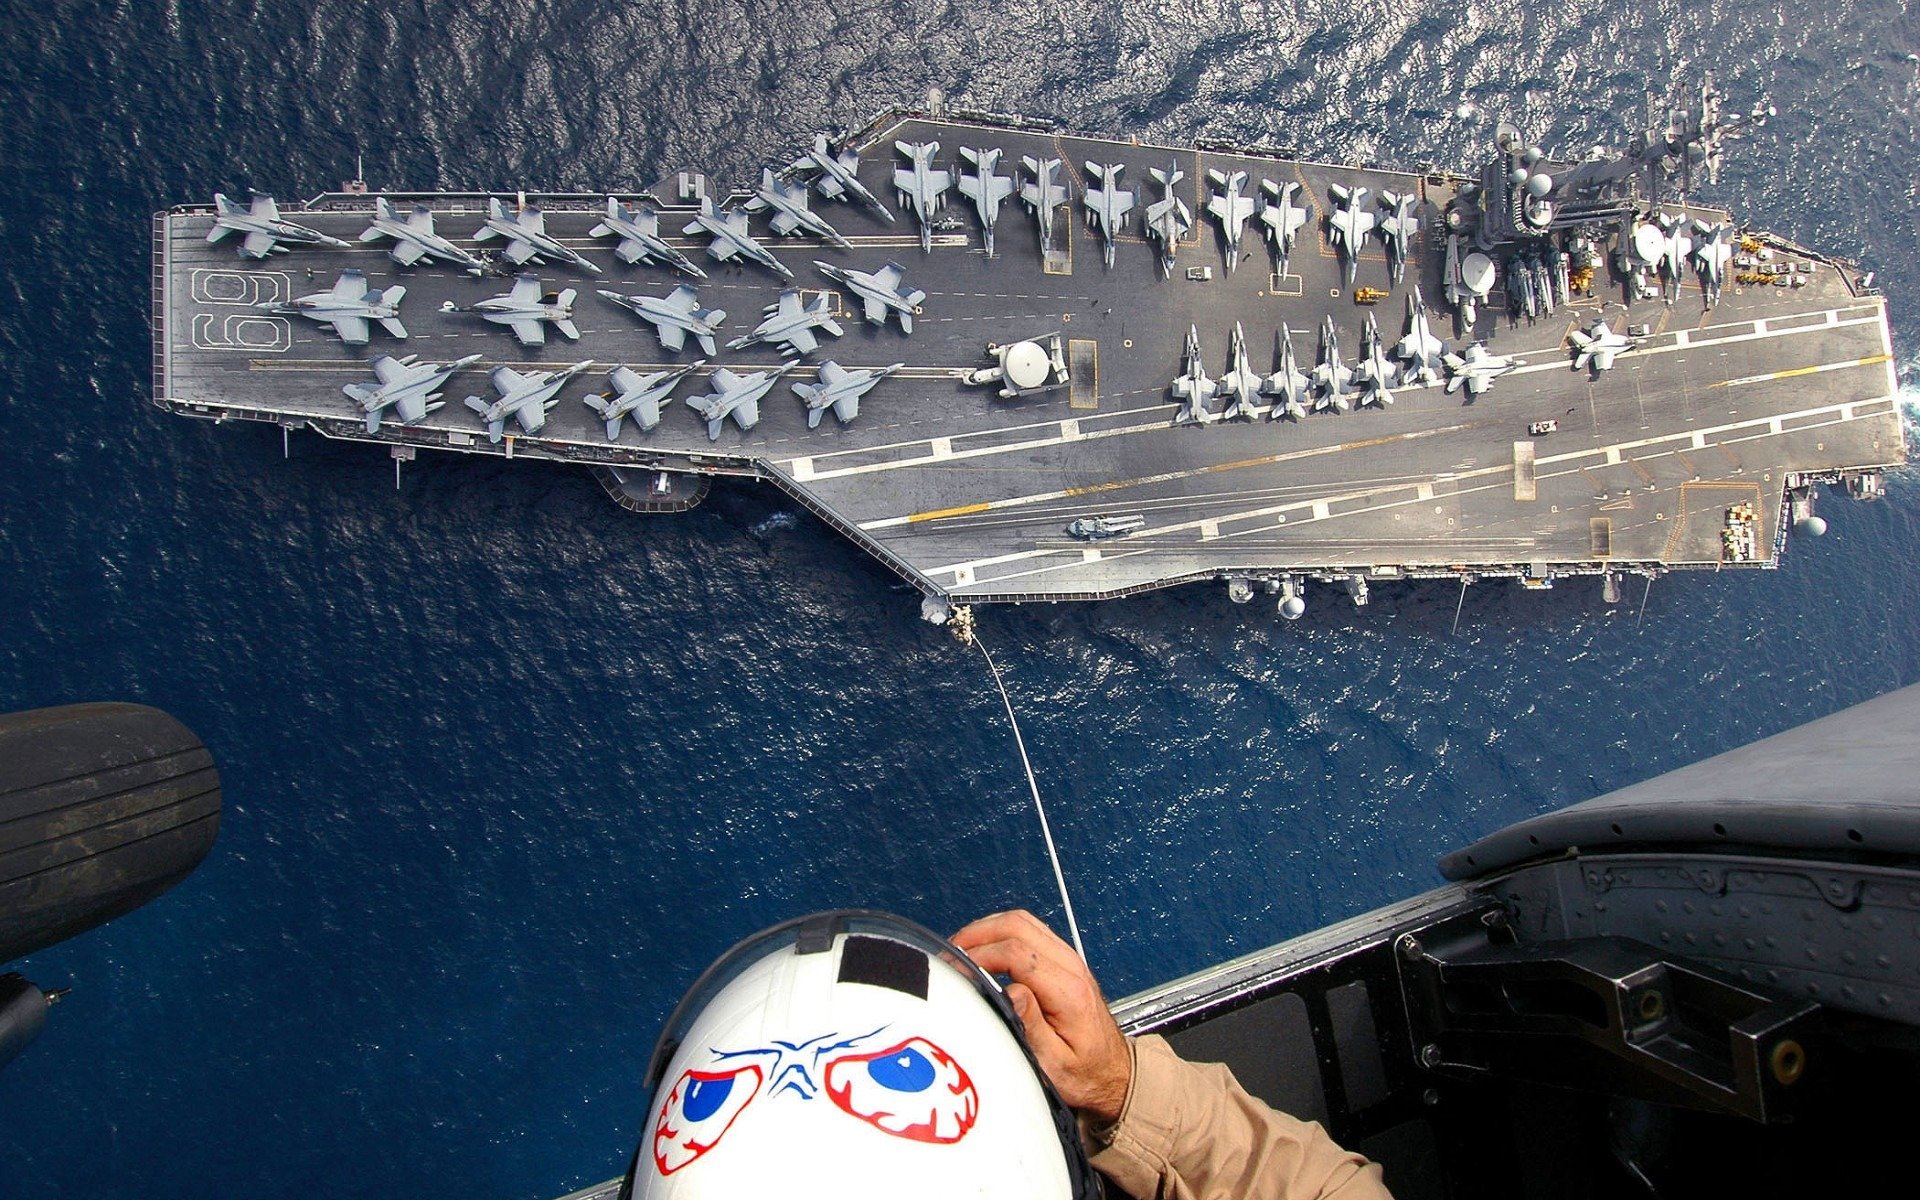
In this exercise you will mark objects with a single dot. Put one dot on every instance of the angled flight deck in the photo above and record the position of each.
(1686, 451)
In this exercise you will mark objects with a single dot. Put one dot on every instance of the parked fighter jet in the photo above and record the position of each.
(1332, 379)
(1679, 247)
(1288, 385)
(639, 234)
(1476, 369)
(1711, 253)
(1398, 227)
(637, 396)
(1231, 206)
(527, 236)
(791, 324)
(1282, 215)
(1349, 225)
(1168, 218)
(1374, 374)
(1192, 385)
(790, 212)
(728, 229)
(675, 316)
(1598, 346)
(1043, 195)
(1240, 383)
(348, 306)
(922, 186)
(880, 291)
(414, 238)
(839, 174)
(527, 311)
(839, 389)
(1420, 350)
(984, 188)
(409, 387)
(1108, 205)
(525, 396)
(262, 227)
(736, 396)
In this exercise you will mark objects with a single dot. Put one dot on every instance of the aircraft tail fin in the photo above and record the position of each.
(393, 295)
(476, 404)
(359, 392)
(394, 327)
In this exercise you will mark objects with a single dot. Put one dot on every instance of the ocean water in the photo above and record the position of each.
(505, 766)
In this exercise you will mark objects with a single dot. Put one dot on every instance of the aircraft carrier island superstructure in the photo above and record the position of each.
(1128, 366)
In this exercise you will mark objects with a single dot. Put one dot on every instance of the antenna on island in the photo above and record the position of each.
(357, 186)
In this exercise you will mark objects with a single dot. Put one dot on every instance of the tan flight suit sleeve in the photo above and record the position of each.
(1188, 1131)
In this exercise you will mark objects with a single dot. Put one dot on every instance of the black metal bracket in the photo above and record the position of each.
(1602, 1014)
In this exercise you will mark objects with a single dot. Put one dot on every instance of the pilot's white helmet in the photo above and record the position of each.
(851, 1054)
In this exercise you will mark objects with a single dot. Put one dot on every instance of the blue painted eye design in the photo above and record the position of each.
(698, 1112)
(913, 1090)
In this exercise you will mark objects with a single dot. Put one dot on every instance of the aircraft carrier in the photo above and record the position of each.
(1662, 404)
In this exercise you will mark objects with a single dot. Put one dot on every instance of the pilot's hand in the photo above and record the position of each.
(1079, 1045)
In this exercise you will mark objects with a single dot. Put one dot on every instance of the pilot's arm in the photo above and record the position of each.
(1158, 1126)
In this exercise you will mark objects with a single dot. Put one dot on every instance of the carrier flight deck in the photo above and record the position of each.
(1290, 371)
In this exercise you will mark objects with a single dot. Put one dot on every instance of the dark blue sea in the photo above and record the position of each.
(505, 767)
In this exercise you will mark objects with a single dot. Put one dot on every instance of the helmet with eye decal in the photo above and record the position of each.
(858, 1050)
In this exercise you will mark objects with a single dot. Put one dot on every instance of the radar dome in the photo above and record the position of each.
(1813, 526)
(1293, 608)
(1532, 155)
(1476, 272)
(1517, 176)
(1539, 186)
(1026, 365)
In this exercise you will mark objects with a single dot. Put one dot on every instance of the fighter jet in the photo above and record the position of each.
(1240, 382)
(527, 236)
(1398, 228)
(839, 389)
(1042, 196)
(1231, 206)
(1349, 225)
(791, 215)
(1283, 216)
(263, 228)
(1168, 218)
(409, 387)
(791, 324)
(922, 186)
(1598, 346)
(1192, 385)
(736, 396)
(1679, 247)
(637, 396)
(838, 178)
(527, 311)
(1288, 385)
(414, 238)
(348, 306)
(728, 228)
(524, 396)
(1476, 369)
(879, 291)
(1108, 205)
(1374, 374)
(1420, 350)
(1332, 379)
(984, 188)
(1711, 253)
(675, 316)
(639, 234)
